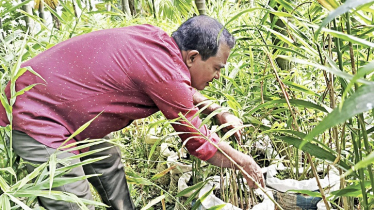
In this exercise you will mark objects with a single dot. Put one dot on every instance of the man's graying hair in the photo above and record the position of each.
(200, 33)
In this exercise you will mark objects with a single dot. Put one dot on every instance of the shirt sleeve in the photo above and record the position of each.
(174, 96)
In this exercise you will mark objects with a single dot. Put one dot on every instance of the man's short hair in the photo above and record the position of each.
(200, 33)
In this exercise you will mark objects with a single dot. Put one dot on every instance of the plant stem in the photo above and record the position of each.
(360, 116)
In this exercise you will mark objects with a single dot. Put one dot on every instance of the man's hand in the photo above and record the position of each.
(235, 122)
(222, 117)
(253, 170)
(244, 161)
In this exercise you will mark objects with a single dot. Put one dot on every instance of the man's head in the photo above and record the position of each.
(205, 45)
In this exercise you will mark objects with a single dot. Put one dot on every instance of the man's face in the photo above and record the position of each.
(203, 72)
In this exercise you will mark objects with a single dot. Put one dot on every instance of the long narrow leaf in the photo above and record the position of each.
(295, 102)
(52, 169)
(334, 71)
(4, 202)
(348, 5)
(191, 189)
(20, 203)
(200, 200)
(313, 149)
(153, 202)
(362, 100)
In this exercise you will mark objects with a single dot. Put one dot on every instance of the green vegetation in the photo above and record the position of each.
(301, 74)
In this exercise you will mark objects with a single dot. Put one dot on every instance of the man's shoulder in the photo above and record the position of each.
(143, 29)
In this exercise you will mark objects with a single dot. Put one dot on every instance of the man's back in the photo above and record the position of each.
(113, 70)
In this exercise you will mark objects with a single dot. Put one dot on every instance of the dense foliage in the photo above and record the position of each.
(299, 76)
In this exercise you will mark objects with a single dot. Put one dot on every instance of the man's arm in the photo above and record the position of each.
(243, 160)
(219, 159)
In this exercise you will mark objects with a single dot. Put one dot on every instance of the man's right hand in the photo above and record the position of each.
(253, 170)
(244, 161)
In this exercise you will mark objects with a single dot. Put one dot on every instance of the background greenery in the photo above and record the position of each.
(301, 74)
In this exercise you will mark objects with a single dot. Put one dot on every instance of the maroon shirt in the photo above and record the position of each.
(125, 73)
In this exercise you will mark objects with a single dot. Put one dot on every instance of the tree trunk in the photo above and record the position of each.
(56, 22)
(29, 22)
(75, 8)
(89, 5)
(201, 6)
(108, 7)
(41, 10)
(126, 7)
(1, 27)
(281, 28)
(154, 9)
(132, 7)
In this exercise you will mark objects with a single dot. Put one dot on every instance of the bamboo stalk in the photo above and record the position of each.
(298, 129)
(368, 147)
(360, 171)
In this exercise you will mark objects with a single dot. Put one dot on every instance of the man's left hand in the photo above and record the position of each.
(226, 117)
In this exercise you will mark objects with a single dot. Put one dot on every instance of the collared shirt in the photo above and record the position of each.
(118, 75)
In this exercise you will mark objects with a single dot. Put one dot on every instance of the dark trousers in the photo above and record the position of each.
(111, 185)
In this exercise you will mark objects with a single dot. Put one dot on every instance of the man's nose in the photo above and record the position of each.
(218, 74)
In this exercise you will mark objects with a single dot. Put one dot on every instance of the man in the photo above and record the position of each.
(121, 75)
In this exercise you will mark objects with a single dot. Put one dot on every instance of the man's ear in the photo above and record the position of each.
(191, 57)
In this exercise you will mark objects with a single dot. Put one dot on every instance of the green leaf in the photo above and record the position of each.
(233, 131)
(80, 155)
(313, 149)
(362, 100)
(348, 5)
(200, 200)
(218, 207)
(153, 202)
(367, 69)
(9, 170)
(332, 70)
(301, 136)
(329, 4)
(154, 147)
(52, 169)
(162, 173)
(4, 202)
(18, 93)
(353, 190)
(2, 14)
(37, 171)
(3, 185)
(138, 180)
(81, 145)
(57, 195)
(241, 13)
(81, 163)
(213, 114)
(307, 192)
(35, 73)
(284, 49)
(295, 102)
(301, 88)
(59, 181)
(190, 189)
(56, 14)
(277, 13)
(361, 164)
(280, 36)
(348, 37)
(5, 103)
(20, 203)
(80, 129)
